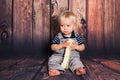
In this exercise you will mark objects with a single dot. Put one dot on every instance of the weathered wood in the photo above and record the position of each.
(112, 64)
(62, 5)
(22, 22)
(35, 68)
(95, 24)
(79, 8)
(25, 69)
(41, 25)
(109, 25)
(5, 26)
(57, 6)
(116, 41)
(103, 21)
(99, 72)
(8, 63)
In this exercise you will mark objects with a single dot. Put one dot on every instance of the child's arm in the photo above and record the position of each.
(56, 47)
(80, 47)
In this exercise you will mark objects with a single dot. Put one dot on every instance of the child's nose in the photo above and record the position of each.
(65, 27)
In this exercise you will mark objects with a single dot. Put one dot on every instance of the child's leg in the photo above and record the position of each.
(76, 65)
(54, 65)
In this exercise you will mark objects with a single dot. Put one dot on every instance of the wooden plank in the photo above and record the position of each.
(22, 22)
(62, 5)
(109, 25)
(24, 70)
(7, 63)
(112, 65)
(30, 62)
(116, 28)
(95, 24)
(105, 58)
(103, 22)
(99, 72)
(79, 8)
(57, 6)
(5, 26)
(41, 25)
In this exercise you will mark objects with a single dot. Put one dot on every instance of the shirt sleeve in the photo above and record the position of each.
(55, 40)
(79, 39)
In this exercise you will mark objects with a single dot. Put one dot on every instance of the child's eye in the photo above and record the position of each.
(68, 25)
(61, 25)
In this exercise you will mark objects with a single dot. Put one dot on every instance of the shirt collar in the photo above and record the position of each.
(72, 35)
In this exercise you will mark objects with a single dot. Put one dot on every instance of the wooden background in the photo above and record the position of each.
(27, 26)
(103, 21)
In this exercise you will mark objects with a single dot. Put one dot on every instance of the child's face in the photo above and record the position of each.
(66, 26)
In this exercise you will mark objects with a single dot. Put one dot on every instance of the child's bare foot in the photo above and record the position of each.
(80, 71)
(54, 72)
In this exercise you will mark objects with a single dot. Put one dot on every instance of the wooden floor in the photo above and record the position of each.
(35, 68)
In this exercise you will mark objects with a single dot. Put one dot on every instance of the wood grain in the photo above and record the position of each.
(57, 6)
(79, 9)
(41, 25)
(5, 26)
(25, 69)
(99, 72)
(22, 22)
(30, 24)
(116, 41)
(95, 24)
(103, 17)
(35, 68)
(109, 24)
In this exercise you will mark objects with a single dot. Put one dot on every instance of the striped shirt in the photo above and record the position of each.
(79, 39)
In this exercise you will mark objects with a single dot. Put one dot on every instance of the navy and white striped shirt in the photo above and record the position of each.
(79, 39)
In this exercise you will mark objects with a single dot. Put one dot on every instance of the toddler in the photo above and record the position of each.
(67, 21)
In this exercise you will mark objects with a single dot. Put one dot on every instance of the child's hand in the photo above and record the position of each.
(65, 44)
(74, 46)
